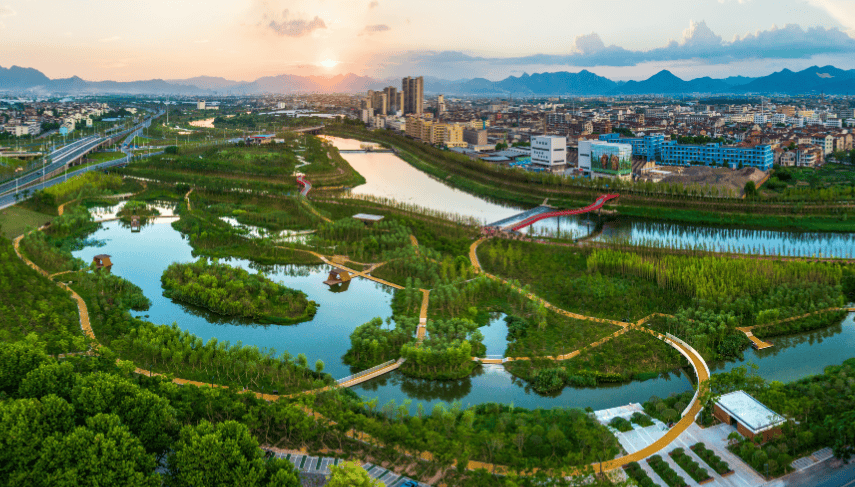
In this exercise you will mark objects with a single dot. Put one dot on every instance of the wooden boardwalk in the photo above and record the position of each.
(421, 331)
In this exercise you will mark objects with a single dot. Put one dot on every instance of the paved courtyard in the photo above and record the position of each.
(715, 438)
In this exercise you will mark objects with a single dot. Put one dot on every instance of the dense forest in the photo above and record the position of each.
(233, 291)
(89, 421)
(32, 304)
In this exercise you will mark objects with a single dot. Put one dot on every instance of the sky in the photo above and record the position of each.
(243, 40)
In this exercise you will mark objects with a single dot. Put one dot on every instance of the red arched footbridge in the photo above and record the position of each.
(542, 215)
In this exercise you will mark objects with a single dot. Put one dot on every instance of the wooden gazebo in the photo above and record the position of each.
(337, 276)
(102, 261)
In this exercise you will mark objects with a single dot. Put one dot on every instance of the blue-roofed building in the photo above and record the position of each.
(761, 156)
(649, 146)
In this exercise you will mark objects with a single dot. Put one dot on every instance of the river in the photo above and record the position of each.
(391, 177)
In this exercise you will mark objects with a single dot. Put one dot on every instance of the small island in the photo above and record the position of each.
(233, 291)
(140, 209)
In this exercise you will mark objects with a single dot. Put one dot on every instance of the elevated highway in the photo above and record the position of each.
(68, 154)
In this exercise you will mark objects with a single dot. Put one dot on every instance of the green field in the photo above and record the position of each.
(15, 221)
(806, 177)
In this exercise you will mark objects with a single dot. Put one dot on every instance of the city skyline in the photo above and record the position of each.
(387, 39)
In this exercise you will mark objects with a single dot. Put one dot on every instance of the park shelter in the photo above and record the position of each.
(368, 219)
(337, 276)
(751, 417)
(102, 261)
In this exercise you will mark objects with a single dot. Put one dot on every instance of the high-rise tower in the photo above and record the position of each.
(414, 95)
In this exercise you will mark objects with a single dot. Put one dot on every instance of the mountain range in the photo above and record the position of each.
(827, 79)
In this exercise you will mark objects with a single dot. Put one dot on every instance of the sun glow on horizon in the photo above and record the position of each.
(329, 63)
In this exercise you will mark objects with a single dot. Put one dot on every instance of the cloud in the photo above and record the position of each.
(842, 10)
(589, 43)
(374, 29)
(373, 4)
(697, 44)
(109, 39)
(295, 27)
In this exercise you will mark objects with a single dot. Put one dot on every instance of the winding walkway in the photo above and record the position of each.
(697, 362)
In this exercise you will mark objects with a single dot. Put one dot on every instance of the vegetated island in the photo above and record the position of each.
(233, 291)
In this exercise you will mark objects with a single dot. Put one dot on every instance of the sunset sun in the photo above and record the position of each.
(329, 63)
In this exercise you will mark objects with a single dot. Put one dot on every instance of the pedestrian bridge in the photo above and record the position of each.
(543, 212)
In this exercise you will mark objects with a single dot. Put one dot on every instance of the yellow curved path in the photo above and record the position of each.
(187, 199)
(696, 361)
(421, 331)
(81, 305)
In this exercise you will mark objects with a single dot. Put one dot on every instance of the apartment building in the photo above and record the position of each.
(760, 156)
(649, 146)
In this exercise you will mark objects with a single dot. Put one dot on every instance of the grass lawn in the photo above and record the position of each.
(98, 157)
(15, 221)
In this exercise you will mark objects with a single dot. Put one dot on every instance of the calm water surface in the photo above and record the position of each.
(142, 257)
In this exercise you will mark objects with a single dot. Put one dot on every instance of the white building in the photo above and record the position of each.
(584, 163)
(200, 105)
(367, 115)
(778, 118)
(759, 118)
(549, 151)
(281, 105)
(378, 122)
(833, 123)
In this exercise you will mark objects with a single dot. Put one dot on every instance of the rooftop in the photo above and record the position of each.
(368, 217)
(749, 411)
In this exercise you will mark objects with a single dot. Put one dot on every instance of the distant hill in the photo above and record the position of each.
(828, 79)
(289, 83)
(206, 82)
(738, 80)
(17, 77)
(813, 79)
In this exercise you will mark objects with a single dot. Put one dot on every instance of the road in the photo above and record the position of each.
(69, 151)
(65, 155)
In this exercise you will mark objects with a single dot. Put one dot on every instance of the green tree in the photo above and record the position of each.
(351, 474)
(750, 189)
(842, 429)
(17, 360)
(50, 378)
(104, 452)
(147, 415)
(225, 454)
(24, 426)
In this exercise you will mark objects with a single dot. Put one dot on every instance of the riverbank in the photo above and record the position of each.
(528, 189)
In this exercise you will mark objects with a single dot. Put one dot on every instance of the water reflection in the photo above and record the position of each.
(722, 239)
(142, 257)
(800, 355)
